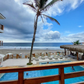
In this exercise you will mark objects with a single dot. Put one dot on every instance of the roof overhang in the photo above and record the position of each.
(1, 16)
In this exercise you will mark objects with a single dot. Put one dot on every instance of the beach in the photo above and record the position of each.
(23, 61)
(27, 51)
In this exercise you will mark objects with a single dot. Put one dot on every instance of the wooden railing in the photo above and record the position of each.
(61, 76)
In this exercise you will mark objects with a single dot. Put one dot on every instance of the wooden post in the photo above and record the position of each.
(61, 73)
(77, 55)
(20, 77)
(65, 51)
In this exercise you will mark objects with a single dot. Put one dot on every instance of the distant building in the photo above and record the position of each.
(1, 28)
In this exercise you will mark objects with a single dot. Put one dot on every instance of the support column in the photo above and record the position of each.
(65, 51)
(70, 52)
(77, 55)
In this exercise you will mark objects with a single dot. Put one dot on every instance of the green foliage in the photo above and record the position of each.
(50, 4)
(42, 3)
(29, 63)
(53, 19)
(76, 42)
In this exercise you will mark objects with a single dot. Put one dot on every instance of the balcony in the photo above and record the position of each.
(1, 28)
(1, 16)
(61, 76)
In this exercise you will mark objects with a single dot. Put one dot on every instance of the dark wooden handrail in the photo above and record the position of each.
(39, 80)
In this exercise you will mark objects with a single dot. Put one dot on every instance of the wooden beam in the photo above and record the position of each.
(39, 80)
(39, 67)
(74, 74)
(20, 78)
(61, 74)
(9, 82)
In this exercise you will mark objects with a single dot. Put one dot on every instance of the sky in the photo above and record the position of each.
(19, 22)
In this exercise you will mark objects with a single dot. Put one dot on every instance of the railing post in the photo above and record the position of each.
(20, 77)
(61, 73)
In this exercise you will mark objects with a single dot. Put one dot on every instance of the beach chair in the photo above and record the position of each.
(14, 56)
(36, 59)
(26, 56)
(33, 54)
(3, 57)
(7, 56)
(10, 55)
(40, 54)
(50, 58)
(55, 58)
(17, 56)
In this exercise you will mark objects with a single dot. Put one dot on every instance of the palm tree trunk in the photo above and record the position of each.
(35, 27)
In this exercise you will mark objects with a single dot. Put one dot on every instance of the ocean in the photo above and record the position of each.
(36, 45)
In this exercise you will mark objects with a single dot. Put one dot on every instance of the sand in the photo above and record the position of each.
(26, 51)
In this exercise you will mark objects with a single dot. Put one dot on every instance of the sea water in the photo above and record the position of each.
(50, 46)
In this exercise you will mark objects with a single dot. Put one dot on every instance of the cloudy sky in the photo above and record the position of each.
(18, 25)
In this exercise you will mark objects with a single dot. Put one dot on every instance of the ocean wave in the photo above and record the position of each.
(24, 47)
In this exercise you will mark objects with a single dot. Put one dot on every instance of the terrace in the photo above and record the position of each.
(38, 80)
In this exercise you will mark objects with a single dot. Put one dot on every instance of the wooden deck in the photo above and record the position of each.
(61, 76)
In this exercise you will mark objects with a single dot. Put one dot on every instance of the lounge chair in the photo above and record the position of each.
(3, 57)
(17, 56)
(26, 56)
(10, 55)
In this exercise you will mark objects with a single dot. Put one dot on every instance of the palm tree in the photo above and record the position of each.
(76, 42)
(39, 6)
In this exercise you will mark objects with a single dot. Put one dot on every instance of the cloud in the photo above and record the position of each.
(79, 26)
(19, 22)
(72, 37)
(62, 6)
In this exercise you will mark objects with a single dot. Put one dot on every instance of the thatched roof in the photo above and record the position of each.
(79, 48)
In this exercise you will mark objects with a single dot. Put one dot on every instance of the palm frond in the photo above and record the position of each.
(42, 3)
(31, 5)
(42, 18)
(50, 4)
(37, 2)
(52, 19)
